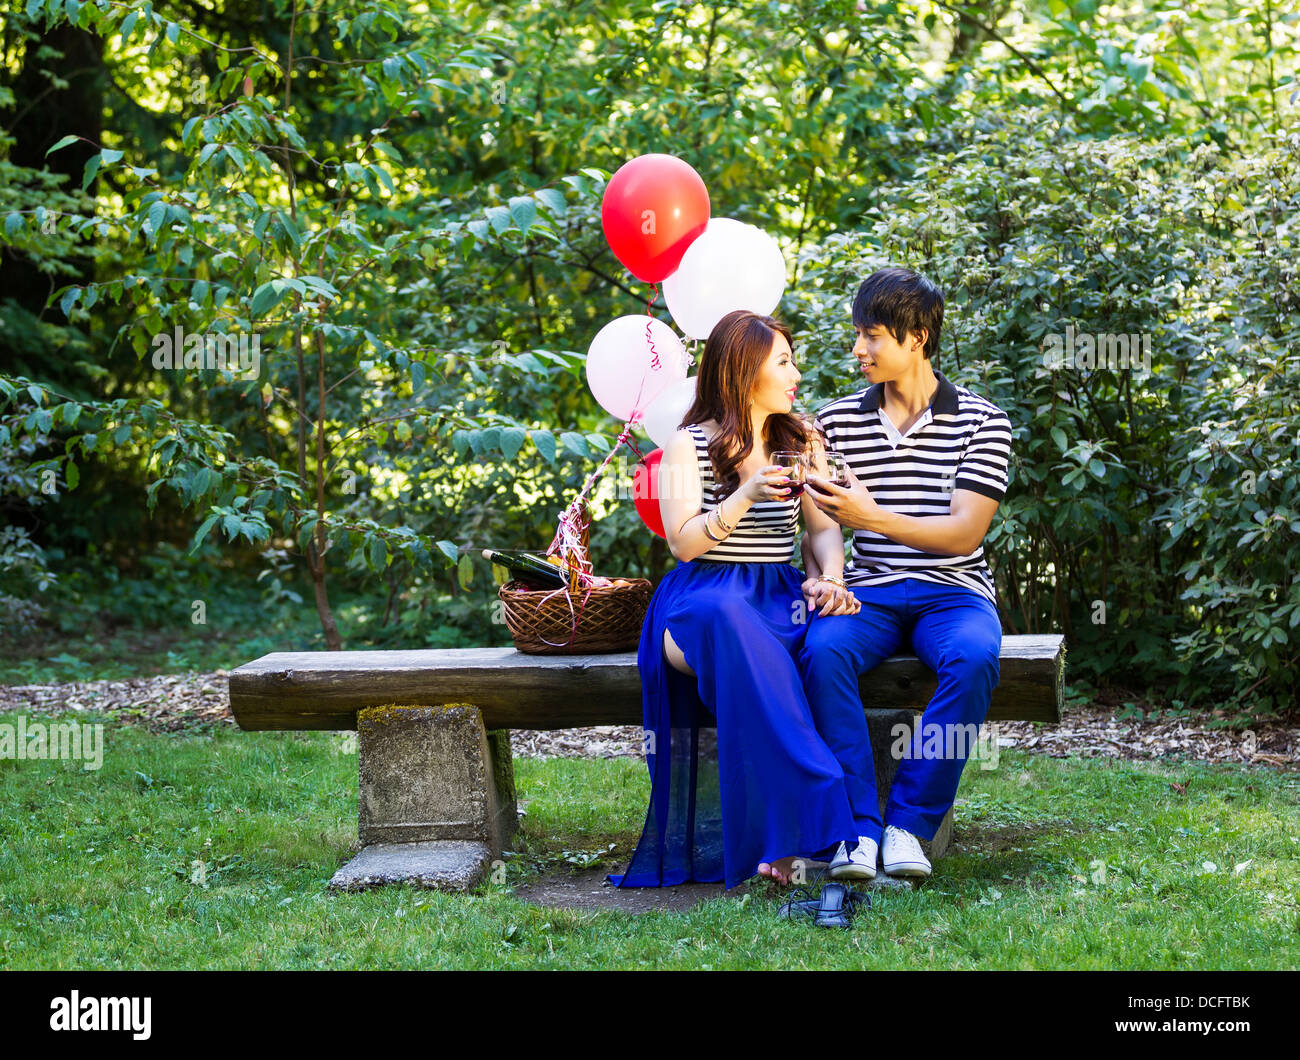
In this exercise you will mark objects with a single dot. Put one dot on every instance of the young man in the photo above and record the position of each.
(928, 463)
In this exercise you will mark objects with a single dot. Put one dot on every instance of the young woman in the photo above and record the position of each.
(723, 632)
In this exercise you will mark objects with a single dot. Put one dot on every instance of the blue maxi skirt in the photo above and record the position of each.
(739, 774)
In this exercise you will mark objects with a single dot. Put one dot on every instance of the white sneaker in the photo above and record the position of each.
(902, 853)
(859, 865)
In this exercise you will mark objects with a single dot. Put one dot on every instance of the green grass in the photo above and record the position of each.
(100, 869)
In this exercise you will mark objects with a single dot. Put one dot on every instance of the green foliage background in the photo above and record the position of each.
(402, 203)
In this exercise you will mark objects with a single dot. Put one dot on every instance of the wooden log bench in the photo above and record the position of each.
(436, 801)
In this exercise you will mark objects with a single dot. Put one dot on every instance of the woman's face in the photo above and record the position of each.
(777, 380)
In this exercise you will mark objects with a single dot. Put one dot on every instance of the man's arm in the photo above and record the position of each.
(958, 533)
(981, 481)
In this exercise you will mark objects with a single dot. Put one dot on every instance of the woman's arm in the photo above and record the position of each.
(681, 498)
(811, 567)
(823, 551)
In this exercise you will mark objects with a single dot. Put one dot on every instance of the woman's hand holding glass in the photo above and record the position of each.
(769, 483)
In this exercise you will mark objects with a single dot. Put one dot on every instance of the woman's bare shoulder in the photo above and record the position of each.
(681, 446)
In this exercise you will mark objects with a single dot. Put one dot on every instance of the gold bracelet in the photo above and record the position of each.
(833, 579)
(722, 526)
(709, 533)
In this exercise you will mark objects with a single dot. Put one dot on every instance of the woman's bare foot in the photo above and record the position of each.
(780, 870)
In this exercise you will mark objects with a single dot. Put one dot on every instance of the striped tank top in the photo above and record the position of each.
(764, 534)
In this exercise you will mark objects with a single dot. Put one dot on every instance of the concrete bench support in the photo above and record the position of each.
(436, 797)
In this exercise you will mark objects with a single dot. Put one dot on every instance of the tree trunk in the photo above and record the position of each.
(316, 564)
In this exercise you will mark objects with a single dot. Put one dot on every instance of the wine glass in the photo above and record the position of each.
(838, 469)
(831, 466)
(796, 466)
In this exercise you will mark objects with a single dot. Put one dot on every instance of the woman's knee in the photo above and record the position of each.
(676, 659)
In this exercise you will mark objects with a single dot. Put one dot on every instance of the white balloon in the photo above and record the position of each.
(730, 266)
(664, 414)
(620, 364)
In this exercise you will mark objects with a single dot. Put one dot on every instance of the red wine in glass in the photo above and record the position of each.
(830, 466)
(796, 466)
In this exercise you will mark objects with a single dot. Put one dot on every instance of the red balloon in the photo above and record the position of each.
(645, 492)
(653, 208)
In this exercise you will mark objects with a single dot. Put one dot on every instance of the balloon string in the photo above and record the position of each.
(568, 540)
(569, 531)
(654, 354)
(638, 413)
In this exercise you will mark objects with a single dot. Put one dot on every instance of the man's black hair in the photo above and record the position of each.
(903, 302)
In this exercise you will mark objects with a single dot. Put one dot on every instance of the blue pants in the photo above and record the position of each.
(954, 631)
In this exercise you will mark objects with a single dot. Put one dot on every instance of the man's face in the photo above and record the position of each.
(882, 357)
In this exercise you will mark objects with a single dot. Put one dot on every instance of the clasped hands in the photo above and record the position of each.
(831, 598)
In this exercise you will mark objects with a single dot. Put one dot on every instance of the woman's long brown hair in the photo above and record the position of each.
(733, 356)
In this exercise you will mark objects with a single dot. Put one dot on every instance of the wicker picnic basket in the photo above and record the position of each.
(581, 619)
(598, 619)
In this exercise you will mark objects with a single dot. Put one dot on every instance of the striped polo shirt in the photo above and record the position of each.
(764, 534)
(962, 441)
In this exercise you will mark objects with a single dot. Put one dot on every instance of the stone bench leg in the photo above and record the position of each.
(881, 725)
(436, 798)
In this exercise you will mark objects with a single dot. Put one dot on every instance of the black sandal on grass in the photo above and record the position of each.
(835, 906)
(800, 905)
